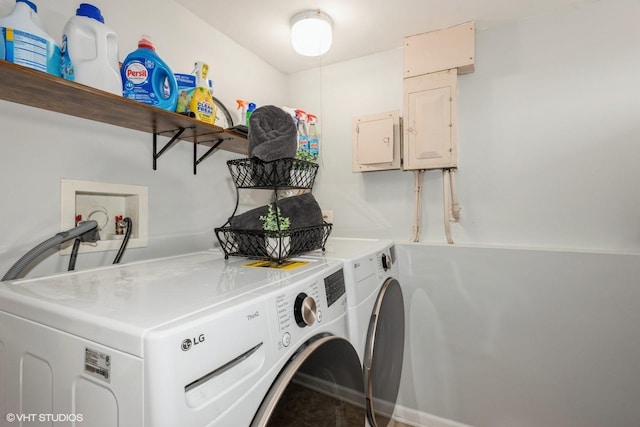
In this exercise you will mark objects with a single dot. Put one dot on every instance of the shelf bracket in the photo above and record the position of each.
(171, 143)
(210, 151)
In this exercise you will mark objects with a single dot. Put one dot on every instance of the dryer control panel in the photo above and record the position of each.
(308, 308)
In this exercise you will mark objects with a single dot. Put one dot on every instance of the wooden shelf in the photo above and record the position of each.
(37, 89)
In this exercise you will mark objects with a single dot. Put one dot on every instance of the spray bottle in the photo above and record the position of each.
(292, 112)
(303, 139)
(201, 101)
(242, 106)
(314, 140)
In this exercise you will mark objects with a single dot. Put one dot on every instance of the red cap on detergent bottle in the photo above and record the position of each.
(145, 41)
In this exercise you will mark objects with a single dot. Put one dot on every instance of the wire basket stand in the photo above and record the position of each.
(281, 174)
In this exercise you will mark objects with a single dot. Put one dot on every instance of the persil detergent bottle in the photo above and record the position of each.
(90, 51)
(27, 42)
(147, 78)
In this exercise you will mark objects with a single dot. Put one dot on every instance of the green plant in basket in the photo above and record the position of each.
(301, 169)
(273, 221)
(305, 155)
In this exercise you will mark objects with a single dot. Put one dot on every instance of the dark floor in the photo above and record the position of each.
(305, 407)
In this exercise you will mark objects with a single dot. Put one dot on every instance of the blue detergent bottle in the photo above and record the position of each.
(147, 78)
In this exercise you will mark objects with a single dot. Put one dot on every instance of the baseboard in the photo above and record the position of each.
(348, 395)
(416, 418)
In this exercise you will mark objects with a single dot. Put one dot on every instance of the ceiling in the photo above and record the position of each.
(361, 27)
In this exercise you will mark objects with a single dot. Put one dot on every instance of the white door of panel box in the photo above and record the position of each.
(439, 50)
(430, 121)
(376, 142)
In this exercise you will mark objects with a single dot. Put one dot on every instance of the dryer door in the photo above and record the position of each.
(321, 385)
(383, 354)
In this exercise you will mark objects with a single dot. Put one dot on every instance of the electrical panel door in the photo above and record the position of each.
(440, 50)
(429, 124)
(376, 142)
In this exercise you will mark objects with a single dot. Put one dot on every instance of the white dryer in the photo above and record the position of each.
(193, 340)
(376, 317)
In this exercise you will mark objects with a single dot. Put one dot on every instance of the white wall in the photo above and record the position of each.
(548, 159)
(548, 150)
(521, 338)
(547, 134)
(40, 148)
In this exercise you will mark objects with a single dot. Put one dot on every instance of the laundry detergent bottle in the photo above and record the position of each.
(147, 78)
(201, 100)
(27, 42)
(1, 44)
(90, 51)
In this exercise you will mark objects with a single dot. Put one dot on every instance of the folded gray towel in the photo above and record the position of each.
(272, 134)
(302, 211)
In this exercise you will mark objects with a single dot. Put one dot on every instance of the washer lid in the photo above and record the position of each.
(383, 354)
(119, 304)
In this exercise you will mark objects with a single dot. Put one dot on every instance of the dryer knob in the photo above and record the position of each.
(386, 262)
(304, 310)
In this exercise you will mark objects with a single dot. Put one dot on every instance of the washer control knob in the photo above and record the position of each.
(304, 310)
(286, 339)
(386, 262)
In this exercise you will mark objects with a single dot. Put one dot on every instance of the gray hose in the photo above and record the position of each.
(41, 248)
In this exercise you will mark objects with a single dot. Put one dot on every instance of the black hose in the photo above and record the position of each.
(41, 248)
(74, 254)
(123, 246)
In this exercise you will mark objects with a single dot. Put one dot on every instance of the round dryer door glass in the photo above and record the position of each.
(321, 385)
(383, 354)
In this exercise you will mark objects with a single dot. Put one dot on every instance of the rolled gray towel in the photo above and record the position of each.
(272, 134)
(302, 211)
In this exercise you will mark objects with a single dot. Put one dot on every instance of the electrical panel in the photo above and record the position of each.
(376, 142)
(440, 50)
(430, 121)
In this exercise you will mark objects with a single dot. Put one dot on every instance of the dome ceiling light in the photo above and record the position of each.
(311, 33)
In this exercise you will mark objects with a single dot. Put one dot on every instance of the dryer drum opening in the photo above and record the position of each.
(321, 385)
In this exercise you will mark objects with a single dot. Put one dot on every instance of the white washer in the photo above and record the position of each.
(376, 317)
(192, 340)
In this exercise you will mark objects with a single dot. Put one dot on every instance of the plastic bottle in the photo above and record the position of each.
(27, 42)
(250, 109)
(303, 139)
(242, 106)
(314, 140)
(1, 44)
(201, 100)
(292, 112)
(90, 51)
(147, 78)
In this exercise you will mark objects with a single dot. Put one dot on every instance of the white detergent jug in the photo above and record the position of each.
(27, 42)
(90, 51)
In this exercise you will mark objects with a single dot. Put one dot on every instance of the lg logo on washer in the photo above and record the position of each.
(189, 342)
